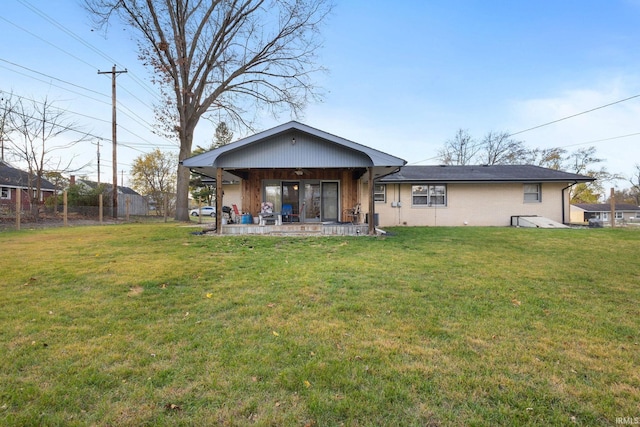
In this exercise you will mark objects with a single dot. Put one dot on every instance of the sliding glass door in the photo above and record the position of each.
(314, 201)
(329, 205)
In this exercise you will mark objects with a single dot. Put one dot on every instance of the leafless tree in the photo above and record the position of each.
(223, 55)
(552, 158)
(634, 180)
(7, 106)
(498, 148)
(36, 133)
(461, 150)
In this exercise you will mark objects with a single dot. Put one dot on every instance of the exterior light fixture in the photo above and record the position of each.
(293, 141)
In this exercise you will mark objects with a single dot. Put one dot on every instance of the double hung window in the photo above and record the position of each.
(429, 195)
(532, 193)
(380, 193)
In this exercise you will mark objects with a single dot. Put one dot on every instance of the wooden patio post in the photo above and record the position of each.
(219, 195)
(100, 207)
(612, 201)
(65, 207)
(372, 204)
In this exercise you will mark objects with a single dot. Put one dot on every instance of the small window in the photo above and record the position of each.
(429, 195)
(619, 215)
(380, 193)
(5, 193)
(532, 193)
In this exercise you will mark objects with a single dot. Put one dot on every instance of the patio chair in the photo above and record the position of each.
(236, 214)
(226, 214)
(352, 215)
(288, 215)
(266, 214)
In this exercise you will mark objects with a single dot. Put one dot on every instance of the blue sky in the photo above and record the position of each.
(404, 76)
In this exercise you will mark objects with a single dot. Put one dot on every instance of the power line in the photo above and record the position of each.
(602, 140)
(79, 87)
(43, 15)
(52, 77)
(574, 115)
(81, 40)
(129, 113)
(45, 41)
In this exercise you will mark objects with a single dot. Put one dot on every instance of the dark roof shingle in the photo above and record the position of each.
(482, 173)
(606, 207)
(12, 177)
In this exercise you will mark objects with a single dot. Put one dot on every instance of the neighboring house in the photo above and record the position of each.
(138, 204)
(323, 177)
(583, 212)
(13, 180)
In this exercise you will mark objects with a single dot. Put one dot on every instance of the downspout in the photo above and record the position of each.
(372, 204)
(399, 186)
(562, 195)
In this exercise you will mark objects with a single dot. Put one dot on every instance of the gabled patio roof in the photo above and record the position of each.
(293, 145)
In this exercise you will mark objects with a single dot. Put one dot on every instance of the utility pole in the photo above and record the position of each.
(114, 133)
(98, 145)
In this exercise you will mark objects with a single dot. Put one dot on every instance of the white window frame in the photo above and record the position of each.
(5, 193)
(619, 215)
(430, 193)
(531, 196)
(380, 193)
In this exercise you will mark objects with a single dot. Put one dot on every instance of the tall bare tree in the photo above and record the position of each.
(552, 158)
(498, 148)
(7, 106)
(37, 130)
(462, 149)
(634, 180)
(224, 55)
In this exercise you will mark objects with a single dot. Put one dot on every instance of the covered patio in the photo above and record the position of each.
(313, 180)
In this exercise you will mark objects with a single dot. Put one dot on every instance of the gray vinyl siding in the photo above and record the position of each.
(279, 152)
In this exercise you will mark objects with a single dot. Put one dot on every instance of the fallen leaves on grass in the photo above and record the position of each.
(172, 407)
(275, 334)
(209, 295)
(136, 290)
(515, 302)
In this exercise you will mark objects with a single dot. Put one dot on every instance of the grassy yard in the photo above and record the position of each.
(152, 325)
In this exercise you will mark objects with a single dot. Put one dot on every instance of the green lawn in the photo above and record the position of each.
(149, 324)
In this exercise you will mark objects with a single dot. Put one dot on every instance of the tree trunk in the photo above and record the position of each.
(183, 176)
